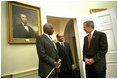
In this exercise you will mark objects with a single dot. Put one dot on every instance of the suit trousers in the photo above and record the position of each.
(67, 74)
(91, 73)
(51, 76)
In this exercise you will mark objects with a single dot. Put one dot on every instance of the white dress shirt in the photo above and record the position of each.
(25, 27)
(61, 43)
(92, 32)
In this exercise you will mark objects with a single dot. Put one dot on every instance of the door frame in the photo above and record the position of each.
(80, 59)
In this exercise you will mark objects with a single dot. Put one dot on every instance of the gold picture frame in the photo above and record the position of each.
(97, 10)
(24, 22)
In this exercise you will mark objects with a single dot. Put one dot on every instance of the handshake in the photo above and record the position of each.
(57, 64)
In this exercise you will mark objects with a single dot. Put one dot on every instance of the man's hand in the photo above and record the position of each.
(86, 60)
(73, 67)
(57, 65)
(89, 61)
(58, 70)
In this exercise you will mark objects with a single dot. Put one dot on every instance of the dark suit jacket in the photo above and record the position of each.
(97, 51)
(66, 56)
(47, 55)
(20, 32)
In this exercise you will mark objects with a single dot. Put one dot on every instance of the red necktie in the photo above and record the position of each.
(89, 41)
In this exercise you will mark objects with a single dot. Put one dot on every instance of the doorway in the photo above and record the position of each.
(65, 26)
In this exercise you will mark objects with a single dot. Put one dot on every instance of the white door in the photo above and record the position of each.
(104, 21)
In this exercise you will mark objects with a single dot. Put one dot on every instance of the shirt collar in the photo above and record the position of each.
(61, 43)
(92, 32)
(48, 36)
(22, 23)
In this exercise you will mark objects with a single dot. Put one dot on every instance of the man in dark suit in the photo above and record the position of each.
(65, 54)
(94, 51)
(22, 30)
(47, 52)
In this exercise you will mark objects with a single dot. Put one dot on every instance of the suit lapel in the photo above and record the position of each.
(47, 39)
(60, 46)
(94, 35)
(86, 41)
(65, 47)
(51, 42)
(93, 38)
(24, 28)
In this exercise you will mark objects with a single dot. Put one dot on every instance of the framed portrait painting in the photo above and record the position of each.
(24, 22)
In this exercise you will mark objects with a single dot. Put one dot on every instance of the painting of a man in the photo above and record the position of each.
(23, 30)
(25, 22)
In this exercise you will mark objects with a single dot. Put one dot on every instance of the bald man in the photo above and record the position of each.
(47, 52)
(65, 54)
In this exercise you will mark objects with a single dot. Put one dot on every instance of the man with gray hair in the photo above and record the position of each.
(94, 51)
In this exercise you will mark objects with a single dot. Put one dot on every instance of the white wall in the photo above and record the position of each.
(17, 58)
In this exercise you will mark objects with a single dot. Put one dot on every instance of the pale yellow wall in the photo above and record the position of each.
(16, 58)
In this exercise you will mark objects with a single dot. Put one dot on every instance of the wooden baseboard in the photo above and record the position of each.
(7, 76)
(31, 73)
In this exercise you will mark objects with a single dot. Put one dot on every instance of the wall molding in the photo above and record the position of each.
(30, 73)
(7, 76)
